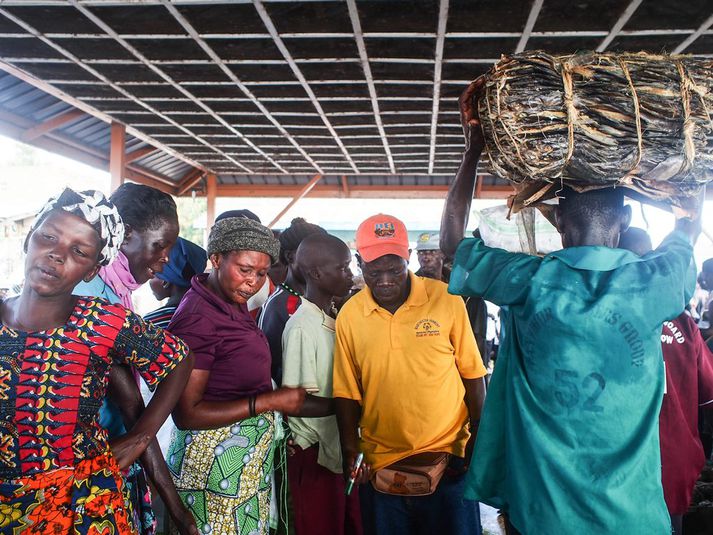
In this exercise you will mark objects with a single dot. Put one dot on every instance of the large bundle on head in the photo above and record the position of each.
(594, 120)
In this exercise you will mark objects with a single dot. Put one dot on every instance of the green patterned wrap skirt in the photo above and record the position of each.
(224, 475)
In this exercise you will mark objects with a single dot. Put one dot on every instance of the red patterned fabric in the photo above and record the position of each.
(52, 383)
(88, 499)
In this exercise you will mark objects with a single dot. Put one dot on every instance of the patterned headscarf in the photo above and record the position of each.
(242, 234)
(95, 209)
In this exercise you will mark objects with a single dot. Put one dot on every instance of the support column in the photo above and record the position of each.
(304, 191)
(117, 155)
(211, 194)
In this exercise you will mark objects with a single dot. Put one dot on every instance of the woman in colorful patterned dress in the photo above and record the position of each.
(221, 456)
(58, 473)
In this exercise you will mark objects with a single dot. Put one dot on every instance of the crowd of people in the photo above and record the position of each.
(284, 400)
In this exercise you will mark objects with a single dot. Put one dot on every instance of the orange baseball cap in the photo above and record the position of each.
(380, 235)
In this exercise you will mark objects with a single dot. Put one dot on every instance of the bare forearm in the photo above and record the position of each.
(348, 413)
(215, 414)
(153, 462)
(474, 397)
(316, 407)
(124, 392)
(457, 205)
(194, 412)
(165, 398)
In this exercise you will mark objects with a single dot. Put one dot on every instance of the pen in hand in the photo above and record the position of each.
(352, 477)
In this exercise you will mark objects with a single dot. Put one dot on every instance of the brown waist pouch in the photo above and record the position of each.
(417, 475)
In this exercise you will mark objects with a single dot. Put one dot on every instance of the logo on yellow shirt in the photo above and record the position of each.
(427, 327)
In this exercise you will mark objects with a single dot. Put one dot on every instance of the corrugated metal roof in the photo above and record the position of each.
(268, 92)
(23, 106)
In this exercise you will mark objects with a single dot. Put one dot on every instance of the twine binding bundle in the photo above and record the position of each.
(595, 120)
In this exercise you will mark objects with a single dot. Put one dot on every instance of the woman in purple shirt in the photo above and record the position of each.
(221, 456)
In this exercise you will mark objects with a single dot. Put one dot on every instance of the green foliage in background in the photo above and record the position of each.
(192, 218)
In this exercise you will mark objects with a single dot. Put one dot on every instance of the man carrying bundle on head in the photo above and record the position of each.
(568, 441)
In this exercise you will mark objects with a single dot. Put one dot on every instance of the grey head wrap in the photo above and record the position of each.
(242, 234)
(95, 209)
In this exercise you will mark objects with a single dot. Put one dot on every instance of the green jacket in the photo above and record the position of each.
(568, 441)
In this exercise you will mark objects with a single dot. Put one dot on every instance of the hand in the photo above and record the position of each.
(361, 476)
(690, 220)
(184, 521)
(129, 447)
(287, 400)
(290, 447)
(469, 450)
(470, 121)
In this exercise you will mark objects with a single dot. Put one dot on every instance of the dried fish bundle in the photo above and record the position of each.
(592, 120)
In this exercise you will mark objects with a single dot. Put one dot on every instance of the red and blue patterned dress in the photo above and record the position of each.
(57, 474)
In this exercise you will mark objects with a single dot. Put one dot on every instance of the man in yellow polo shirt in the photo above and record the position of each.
(408, 379)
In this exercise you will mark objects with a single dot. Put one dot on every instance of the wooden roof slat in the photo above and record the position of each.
(695, 35)
(55, 122)
(529, 25)
(298, 74)
(621, 21)
(131, 49)
(369, 89)
(234, 79)
(364, 58)
(440, 39)
(80, 63)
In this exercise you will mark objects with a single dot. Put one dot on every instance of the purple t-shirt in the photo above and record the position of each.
(225, 340)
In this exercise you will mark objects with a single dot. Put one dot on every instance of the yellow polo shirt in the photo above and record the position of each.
(405, 370)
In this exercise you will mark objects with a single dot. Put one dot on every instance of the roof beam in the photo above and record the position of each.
(52, 124)
(308, 61)
(139, 153)
(529, 25)
(364, 58)
(437, 69)
(619, 24)
(189, 180)
(695, 35)
(117, 151)
(267, 21)
(382, 191)
(158, 177)
(13, 126)
(345, 186)
(48, 88)
(301, 194)
(26, 124)
(137, 176)
(131, 49)
(332, 35)
(234, 78)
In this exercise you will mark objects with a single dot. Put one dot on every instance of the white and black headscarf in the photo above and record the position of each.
(95, 209)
